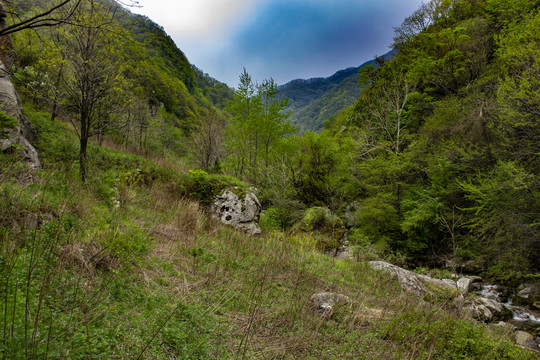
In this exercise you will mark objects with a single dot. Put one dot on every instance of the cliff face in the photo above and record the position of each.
(16, 138)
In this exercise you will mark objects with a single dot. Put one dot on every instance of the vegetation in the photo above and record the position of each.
(435, 164)
(438, 160)
(129, 265)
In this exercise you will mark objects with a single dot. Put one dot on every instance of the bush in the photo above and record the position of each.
(6, 123)
(445, 337)
(323, 221)
(201, 186)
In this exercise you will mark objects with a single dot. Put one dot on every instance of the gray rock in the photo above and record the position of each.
(240, 212)
(418, 284)
(464, 284)
(495, 306)
(450, 283)
(11, 105)
(509, 328)
(344, 251)
(526, 340)
(478, 312)
(528, 294)
(325, 302)
(485, 309)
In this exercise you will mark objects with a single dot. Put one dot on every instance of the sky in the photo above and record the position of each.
(279, 39)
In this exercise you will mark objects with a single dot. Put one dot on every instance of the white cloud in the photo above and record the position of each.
(197, 18)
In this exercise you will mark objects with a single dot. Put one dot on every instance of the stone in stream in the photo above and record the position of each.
(464, 284)
(528, 294)
(487, 310)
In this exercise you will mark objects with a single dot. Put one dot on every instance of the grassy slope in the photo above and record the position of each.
(125, 267)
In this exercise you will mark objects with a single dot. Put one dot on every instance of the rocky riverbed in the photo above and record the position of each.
(484, 302)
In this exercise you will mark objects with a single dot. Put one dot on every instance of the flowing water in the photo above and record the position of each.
(520, 315)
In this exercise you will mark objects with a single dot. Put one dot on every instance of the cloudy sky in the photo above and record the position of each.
(282, 39)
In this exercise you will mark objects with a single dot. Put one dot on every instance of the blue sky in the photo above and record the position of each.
(282, 39)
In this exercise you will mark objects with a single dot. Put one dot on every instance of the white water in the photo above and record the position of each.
(518, 313)
(489, 291)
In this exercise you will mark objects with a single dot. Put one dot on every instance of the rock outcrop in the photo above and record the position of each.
(238, 209)
(16, 138)
(418, 284)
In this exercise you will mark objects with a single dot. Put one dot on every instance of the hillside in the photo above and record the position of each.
(408, 228)
(129, 264)
(158, 73)
(314, 101)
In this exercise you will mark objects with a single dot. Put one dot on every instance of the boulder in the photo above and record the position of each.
(421, 285)
(344, 251)
(239, 209)
(325, 302)
(528, 294)
(526, 340)
(487, 310)
(464, 285)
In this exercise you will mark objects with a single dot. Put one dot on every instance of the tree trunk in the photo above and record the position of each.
(82, 159)
(85, 134)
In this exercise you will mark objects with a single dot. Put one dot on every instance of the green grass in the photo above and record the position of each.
(112, 269)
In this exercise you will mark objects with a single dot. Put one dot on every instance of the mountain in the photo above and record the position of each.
(158, 94)
(171, 60)
(313, 101)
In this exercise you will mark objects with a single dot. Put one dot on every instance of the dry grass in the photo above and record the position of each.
(88, 257)
(188, 215)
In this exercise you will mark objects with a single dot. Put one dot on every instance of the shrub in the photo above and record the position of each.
(6, 123)
(203, 187)
(322, 220)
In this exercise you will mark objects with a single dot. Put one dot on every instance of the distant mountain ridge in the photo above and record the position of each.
(313, 101)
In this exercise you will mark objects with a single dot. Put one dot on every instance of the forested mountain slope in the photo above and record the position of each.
(314, 101)
(445, 138)
(152, 75)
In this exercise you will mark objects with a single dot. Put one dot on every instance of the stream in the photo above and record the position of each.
(522, 318)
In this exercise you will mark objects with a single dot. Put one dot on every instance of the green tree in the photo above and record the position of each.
(273, 124)
(256, 126)
(94, 73)
(241, 131)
